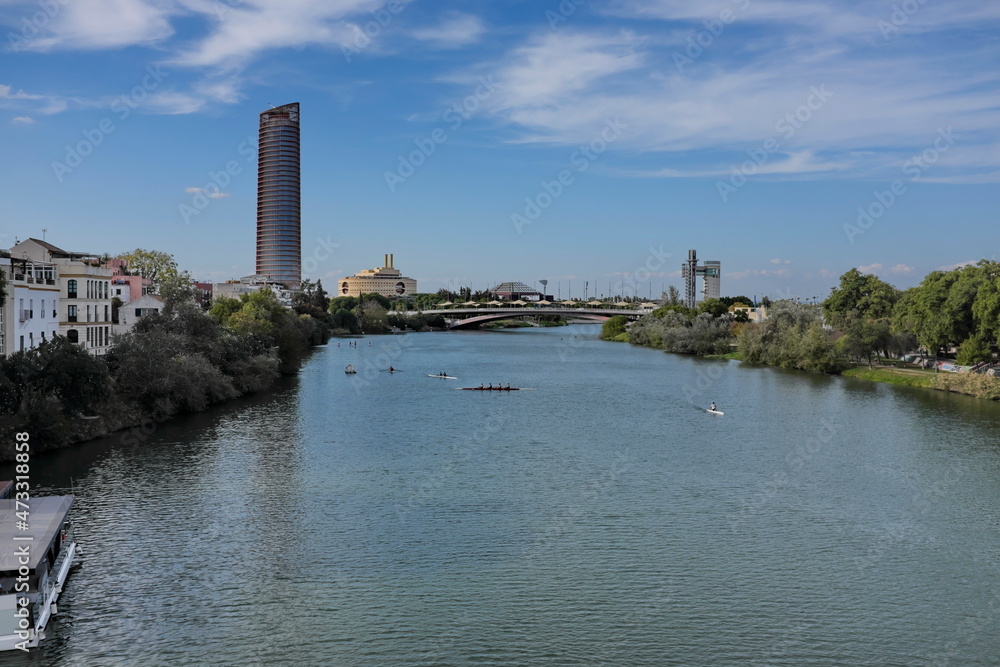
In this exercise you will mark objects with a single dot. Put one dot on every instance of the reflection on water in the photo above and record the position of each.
(602, 519)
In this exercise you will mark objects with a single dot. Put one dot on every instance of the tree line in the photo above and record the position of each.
(863, 320)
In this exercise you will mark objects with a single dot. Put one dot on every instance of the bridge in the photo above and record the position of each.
(470, 318)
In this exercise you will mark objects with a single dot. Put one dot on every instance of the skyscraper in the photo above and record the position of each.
(279, 206)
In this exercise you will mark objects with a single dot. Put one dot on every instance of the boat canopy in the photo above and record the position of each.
(46, 516)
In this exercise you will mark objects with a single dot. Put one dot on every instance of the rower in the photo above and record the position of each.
(391, 369)
(491, 386)
(712, 407)
(508, 386)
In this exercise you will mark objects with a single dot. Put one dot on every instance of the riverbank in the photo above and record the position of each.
(978, 386)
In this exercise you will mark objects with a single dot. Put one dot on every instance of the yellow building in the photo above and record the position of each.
(385, 280)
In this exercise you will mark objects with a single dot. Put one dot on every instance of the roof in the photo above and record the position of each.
(45, 518)
(55, 250)
(514, 287)
(48, 246)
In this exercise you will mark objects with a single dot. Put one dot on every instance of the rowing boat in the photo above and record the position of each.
(491, 388)
(714, 412)
(443, 377)
(494, 389)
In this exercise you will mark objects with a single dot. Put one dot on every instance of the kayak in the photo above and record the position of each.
(443, 377)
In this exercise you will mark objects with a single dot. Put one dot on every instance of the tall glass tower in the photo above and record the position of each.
(279, 206)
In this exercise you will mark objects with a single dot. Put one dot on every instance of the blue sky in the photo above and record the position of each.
(480, 142)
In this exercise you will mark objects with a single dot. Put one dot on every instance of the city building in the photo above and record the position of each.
(135, 310)
(84, 307)
(124, 286)
(512, 291)
(385, 280)
(711, 273)
(202, 294)
(756, 314)
(30, 313)
(279, 207)
(234, 289)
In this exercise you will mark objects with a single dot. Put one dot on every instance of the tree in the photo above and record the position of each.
(56, 369)
(921, 310)
(731, 301)
(867, 296)
(345, 302)
(672, 296)
(615, 326)
(152, 264)
(374, 317)
(3, 288)
(674, 308)
(714, 307)
(175, 289)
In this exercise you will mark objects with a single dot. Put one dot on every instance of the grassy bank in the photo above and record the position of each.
(891, 376)
(735, 356)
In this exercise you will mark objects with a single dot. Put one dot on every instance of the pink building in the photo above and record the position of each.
(126, 287)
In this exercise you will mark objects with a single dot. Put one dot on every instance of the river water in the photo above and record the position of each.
(604, 518)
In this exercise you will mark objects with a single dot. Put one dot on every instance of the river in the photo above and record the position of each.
(604, 518)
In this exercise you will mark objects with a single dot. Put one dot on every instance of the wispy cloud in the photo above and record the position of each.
(455, 31)
(103, 24)
(740, 275)
(879, 269)
(211, 194)
(23, 120)
(753, 82)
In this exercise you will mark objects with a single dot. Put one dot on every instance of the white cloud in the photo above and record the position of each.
(456, 31)
(251, 27)
(213, 194)
(897, 270)
(23, 120)
(44, 104)
(740, 275)
(104, 24)
(959, 265)
(781, 261)
(557, 87)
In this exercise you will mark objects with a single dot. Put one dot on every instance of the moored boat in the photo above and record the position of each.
(36, 552)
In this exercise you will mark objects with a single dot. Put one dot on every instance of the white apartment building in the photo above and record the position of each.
(84, 302)
(30, 313)
(132, 312)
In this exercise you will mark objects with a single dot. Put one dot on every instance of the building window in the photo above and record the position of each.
(71, 314)
(71, 289)
(73, 335)
(22, 342)
(107, 315)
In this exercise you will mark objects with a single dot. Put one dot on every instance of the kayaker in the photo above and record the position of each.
(393, 370)
(712, 407)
